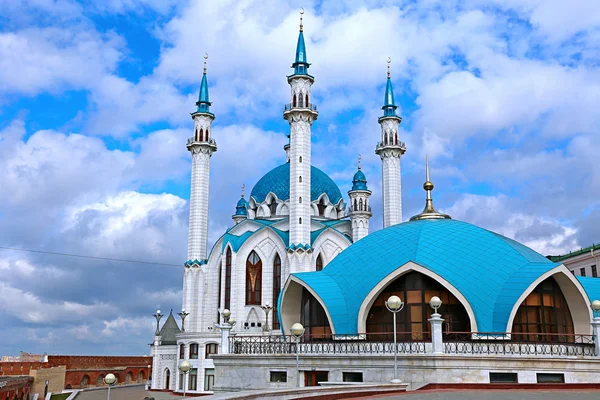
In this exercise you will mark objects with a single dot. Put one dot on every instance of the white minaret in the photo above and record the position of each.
(359, 210)
(201, 145)
(300, 113)
(390, 149)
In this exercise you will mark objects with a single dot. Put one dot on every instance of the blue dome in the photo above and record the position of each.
(359, 182)
(278, 181)
(241, 207)
(488, 269)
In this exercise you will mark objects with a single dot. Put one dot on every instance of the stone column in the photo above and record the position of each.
(156, 364)
(225, 330)
(596, 333)
(437, 340)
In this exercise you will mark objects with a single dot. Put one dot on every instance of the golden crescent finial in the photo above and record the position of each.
(301, 13)
(389, 60)
(205, 56)
(301, 10)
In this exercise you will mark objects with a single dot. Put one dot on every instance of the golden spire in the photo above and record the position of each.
(243, 187)
(359, 157)
(301, 13)
(205, 58)
(389, 60)
(429, 212)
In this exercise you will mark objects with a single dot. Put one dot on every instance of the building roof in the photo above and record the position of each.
(591, 286)
(574, 253)
(490, 270)
(359, 181)
(169, 330)
(278, 181)
(242, 207)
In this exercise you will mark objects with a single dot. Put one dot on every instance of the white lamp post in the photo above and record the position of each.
(110, 380)
(185, 367)
(596, 325)
(394, 304)
(437, 340)
(298, 331)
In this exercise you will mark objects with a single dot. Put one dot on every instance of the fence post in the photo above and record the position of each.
(437, 340)
(596, 332)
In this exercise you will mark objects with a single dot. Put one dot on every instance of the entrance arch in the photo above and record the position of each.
(167, 379)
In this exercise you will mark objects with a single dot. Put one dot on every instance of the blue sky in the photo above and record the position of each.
(95, 96)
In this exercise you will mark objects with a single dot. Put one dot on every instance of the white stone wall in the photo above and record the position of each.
(163, 358)
(359, 216)
(390, 153)
(201, 363)
(198, 229)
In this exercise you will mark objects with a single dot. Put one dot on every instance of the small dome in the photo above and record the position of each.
(278, 181)
(359, 182)
(242, 207)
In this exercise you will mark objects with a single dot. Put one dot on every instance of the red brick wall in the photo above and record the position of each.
(16, 386)
(18, 368)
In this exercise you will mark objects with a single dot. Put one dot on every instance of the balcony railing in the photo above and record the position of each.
(400, 143)
(461, 343)
(300, 106)
(352, 209)
(210, 141)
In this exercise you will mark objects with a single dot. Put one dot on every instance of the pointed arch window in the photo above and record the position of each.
(294, 101)
(300, 101)
(360, 204)
(319, 264)
(253, 279)
(355, 205)
(228, 278)
(396, 138)
(201, 135)
(181, 351)
(219, 296)
(300, 200)
(306, 100)
(300, 179)
(276, 289)
(273, 207)
(322, 206)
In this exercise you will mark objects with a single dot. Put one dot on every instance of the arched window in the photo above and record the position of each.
(100, 380)
(181, 351)
(294, 101)
(228, 278)
(300, 200)
(273, 207)
(253, 279)
(201, 135)
(415, 290)
(312, 316)
(355, 205)
(300, 179)
(276, 289)
(396, 138)
(167, 379)
(322, 206)
(545, 310)
(319, 264)
(300, 101)
(193, 351)
(300, 220)
(306, 100)
(85, 381)
(196, 136)
(128, 377)
(219, 296)
(360, 204)
(300, 159)
(140, 377)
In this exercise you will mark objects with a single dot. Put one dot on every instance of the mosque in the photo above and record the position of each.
(298, 253)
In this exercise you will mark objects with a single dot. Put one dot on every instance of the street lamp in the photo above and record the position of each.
(267, 309)
(110, 380)
(185, 367)
(298, 331)
(226, 314)
(183, 314)
(158, 316)
(596, 308)
(394, 304)
(436, 303)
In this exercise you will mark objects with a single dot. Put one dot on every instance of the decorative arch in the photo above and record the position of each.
(167, 375)
(574, 294)
(322, 206)
(100, 380)
(319, 263)
(84, 382)
(253, 279)
(201, 135)
(141, 376)
(367, 303)
(294, 100)
(128, 378)
(276, 289)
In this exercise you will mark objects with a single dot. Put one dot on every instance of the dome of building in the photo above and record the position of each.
(488, 270)
(241, 207)
(278, 181)
(359, 181)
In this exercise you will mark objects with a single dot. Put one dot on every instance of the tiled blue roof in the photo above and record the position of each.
(278, 181)
(238, 240)
(359, 181)
(490, 270)
(591, 286)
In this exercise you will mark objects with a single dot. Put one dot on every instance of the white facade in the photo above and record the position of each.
(584, 262)
(359, 211)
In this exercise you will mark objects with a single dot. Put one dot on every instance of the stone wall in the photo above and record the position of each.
(55, 377)
(15, 387)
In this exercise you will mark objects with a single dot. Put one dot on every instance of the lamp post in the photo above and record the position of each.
(157, 316)
(185, 367)
(110, 380)
(267, 309)
(183, 314)
(436, 320)
(298, 331)
(394, 304)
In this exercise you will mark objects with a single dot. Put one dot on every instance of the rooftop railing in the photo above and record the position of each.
(209, 141)
(300, 106)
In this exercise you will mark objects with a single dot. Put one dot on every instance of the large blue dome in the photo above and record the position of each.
(278, 181)
(491, 271)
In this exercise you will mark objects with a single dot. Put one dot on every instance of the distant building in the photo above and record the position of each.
(15, 387)
(582, 262)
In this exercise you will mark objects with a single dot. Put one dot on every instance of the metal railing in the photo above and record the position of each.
(530, 344)
(352, 209)
(209, 141)
(310, 106)
(400, 143)
(371, 343)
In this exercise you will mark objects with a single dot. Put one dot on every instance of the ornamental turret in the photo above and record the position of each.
(241, 209)
(390, 150)
(359, 210)
(300, 114)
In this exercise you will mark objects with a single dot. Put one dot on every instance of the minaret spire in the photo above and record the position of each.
(429, 212)
(390, 150)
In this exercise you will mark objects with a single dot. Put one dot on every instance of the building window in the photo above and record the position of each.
(278, 376)
(300, 220)
(219, 297)
(352, 376)
(300, 159)
(300, 179)
(550, 378)
(276, 289)
(313, 317)
(181, 351)
(322, 206)
(582, 271)
(504, 377)
(228, 278)
(193, 379)
(415, 290)
(594, 271)
(209, 379)
(294, 101)
(273, 207)
(355, 205)
(545, 310)
(194, 351)
(300, 200)
(319, 263)
(253, 279)
(211, 348)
